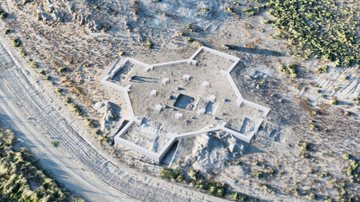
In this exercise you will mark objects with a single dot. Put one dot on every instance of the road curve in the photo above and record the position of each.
(78, 165)
(57, 163)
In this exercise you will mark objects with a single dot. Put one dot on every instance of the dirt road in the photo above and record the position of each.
(78, 165)
(55, 161)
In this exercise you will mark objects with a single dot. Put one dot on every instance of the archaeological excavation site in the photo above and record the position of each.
(174, 100)
(179, 100)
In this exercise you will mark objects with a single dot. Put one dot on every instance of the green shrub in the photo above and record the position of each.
(324, 69)
(17, 43)
(23, 52)
(352, 169)
(212, 189)
(34, 64)
(91, 123)
(230, 10)
(311, 196)
(19, 174)
(323, 174)
(62, 69)
(76, 109)
(346, 156)
(148, 44)
(7, 31)
(267, 189)
(220, 192)
(170, 173)
(334, 101)
(258, 174)
(59, 91)
(3, 14)
(122, 53)
(68, 100)
(235, 195)
(55, 143)
(42, 72)
(306, 26)
(189, 39)
(291, 69)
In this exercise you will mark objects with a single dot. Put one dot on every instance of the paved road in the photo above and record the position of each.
(80, 166)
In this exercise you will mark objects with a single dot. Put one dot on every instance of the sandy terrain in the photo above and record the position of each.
(276, 166)
(16, 88)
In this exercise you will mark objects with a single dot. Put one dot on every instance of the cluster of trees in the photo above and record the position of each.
(195, 179)
(20, 179)
(319, 28)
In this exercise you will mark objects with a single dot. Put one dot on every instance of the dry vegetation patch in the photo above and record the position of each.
(21, 179)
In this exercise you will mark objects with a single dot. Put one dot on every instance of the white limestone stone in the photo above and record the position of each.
(165, 81)
(186, 77)
(153, 93)
(205, 84)
(159, 107)
(212, 98)
(179, 116)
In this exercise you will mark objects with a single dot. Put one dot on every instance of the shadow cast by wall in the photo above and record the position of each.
(255, 51)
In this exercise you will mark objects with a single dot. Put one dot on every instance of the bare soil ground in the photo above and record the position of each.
(24, 98)
(297, 154)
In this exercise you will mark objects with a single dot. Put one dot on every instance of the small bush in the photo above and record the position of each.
(268, 189)
(220, 192)
(235, 195)
(68, 100)
(122, 53)
(170, 173)
(3, 14)
(324, 69)
(291, 69)
(34, 64)
(7, 31)
(230, 10)
(346, 156)
(76, 109)
(17, 43)
(23, 52)
(62, 69)
(59, 91)
(149, 44)
(42, 72)
(357, 101)
(323, 174)
(55, 143)
(352, 169)
(304, 149)
(91, 123)
(311, 196)
(189, 39)
(334, 101)
(258, 174)
(76, 90)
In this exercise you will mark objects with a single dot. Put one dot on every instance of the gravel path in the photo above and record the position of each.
(45, 114)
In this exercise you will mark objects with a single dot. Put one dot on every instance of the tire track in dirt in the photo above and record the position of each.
(128, 181)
